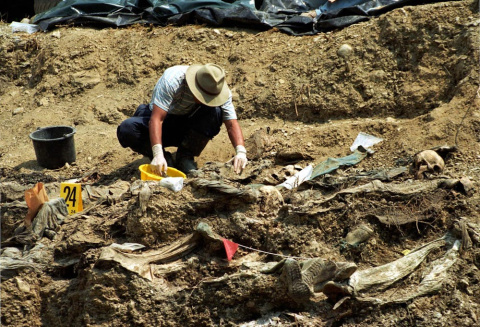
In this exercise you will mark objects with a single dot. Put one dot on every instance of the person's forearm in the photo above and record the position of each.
(236, 137)
(155, 131)
(155, 125)
(159, 164)
(234, 132)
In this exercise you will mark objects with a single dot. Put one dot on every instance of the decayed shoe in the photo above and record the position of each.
(359, 235)
(317, 271)
(297, 288)
(336, 291)
(344, 270)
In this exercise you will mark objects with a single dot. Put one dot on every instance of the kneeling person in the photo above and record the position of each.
(188, 106)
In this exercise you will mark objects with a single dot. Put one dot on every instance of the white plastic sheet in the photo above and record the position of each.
(172, 183)
(23, 27)
(365, 140)
(127, 247)
(298, 178)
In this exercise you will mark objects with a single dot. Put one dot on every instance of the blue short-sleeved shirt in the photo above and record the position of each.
(172, 94)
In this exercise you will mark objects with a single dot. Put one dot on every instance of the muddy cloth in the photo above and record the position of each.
(332, 164)
(46, 223)
(258, 14)
(133, 132)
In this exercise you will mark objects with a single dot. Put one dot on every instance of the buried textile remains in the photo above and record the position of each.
(220, 207)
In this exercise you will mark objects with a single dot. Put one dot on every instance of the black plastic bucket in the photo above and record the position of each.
(54, 146)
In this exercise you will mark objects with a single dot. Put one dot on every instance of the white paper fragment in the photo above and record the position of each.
(365, 140)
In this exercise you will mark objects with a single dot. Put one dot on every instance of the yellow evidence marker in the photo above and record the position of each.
(72, 193)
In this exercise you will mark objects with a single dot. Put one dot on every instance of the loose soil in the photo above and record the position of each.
(411, 79)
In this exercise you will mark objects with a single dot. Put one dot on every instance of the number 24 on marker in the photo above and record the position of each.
(72, 193)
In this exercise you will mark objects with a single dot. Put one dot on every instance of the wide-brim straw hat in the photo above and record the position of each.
(207, 83)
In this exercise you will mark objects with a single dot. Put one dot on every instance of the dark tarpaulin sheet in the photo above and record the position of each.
(254, 14)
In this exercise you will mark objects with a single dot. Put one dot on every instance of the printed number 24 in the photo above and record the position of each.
(71, 195)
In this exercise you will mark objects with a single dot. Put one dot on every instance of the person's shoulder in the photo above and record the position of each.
(176, 69)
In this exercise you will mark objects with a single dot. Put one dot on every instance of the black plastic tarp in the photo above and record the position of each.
(253, 14)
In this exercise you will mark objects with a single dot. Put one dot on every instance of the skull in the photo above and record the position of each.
(270, 199)
(427, 161)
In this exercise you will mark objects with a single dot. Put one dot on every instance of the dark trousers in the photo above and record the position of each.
(134, 133)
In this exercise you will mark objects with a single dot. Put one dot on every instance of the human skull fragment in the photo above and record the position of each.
(270, 199)
(427, 161)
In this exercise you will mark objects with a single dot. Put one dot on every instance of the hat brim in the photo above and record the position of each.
(205, 98)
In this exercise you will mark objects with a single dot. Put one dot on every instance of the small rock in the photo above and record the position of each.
(22, 285)
(43, 102)
(56, 34)
(463, 283)
(467, 184)
(19, 110)
(345, 51)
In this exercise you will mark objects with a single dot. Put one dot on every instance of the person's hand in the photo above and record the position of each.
(240, 160)
(159, 164)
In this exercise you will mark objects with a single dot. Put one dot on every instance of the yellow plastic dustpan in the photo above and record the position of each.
(146, 173)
